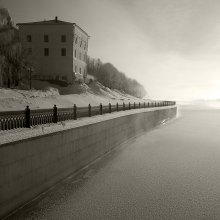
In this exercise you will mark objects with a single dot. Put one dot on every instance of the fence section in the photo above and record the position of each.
(27, 118)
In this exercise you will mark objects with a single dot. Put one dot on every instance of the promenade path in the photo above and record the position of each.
(171, 172)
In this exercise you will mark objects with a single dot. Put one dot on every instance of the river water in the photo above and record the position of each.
(171, 172)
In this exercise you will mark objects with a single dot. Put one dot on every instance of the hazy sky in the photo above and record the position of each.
(172, 47)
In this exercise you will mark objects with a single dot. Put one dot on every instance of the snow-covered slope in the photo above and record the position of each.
(47, 97)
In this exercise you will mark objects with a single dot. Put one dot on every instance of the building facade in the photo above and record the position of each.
(58, 49)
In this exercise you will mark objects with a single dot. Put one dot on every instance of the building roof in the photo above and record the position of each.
(52, 22)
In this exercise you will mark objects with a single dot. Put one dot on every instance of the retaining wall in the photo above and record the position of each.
(31, 166)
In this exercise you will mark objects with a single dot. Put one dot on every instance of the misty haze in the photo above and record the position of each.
(109, 109)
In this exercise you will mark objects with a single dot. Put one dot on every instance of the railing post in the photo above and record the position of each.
(90, 112)
(129, 105)
(27, 117)
(109, 108)
(134, 106)
(123, 106)
(144, 105)
(74, 112)
(139, 105)
(55, 116)
(117, 107)
(148, 104)
(100, 108)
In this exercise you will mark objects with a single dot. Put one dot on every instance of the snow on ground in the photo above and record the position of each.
(47, 97)
(25, 133)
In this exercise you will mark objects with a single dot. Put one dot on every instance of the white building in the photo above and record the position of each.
(57, 48)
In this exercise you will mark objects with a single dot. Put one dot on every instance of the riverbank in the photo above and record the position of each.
(32, 164)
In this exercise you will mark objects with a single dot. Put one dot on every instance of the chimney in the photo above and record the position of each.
(56, 18)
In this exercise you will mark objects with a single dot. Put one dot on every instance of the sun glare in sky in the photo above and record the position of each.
(172, 47)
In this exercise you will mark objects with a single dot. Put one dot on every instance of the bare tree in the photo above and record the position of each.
(14, 60)
(110, 77)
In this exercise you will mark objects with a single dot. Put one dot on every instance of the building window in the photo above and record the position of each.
(29, 38)
(64, 78)
(75, 53)
(30, 51)
(76, 68)
(76, 40)
(80, 70)
(46, 38)
(63, 52)
(80, 55)
(63, 38)
(85, 46)
(46, 51)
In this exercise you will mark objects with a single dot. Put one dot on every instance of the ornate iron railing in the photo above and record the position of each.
(27, 118)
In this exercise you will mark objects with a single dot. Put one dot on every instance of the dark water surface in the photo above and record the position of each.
(172, 172)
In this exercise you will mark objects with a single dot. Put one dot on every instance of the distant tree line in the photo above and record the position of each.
(14, 62)
(110, 77)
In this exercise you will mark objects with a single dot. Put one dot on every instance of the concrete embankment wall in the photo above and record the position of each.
(31, 166)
